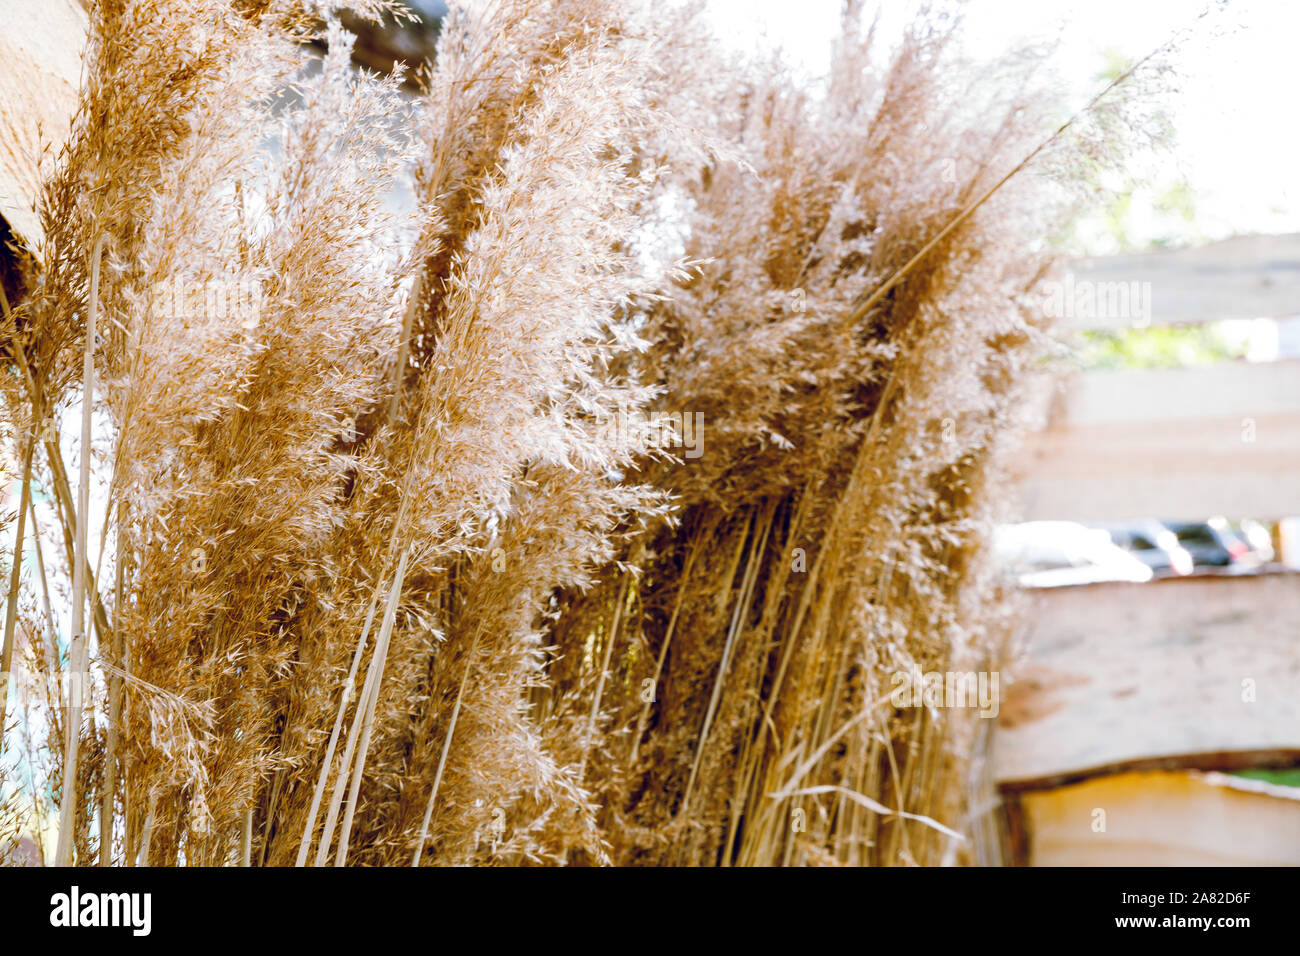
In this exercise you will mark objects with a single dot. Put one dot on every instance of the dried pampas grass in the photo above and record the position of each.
(507, 531)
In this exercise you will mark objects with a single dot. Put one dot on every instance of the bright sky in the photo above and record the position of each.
(1239, 141)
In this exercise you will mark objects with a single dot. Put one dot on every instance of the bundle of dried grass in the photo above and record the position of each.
(857, 345)
(400, 572)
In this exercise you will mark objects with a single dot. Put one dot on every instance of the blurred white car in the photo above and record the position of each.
(1151, 543)
(1050, 554)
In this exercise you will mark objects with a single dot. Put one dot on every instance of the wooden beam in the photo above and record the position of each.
(1174, 443)
(1123, 676)
(1246, 277)
(1217, 761)
(1164, 819)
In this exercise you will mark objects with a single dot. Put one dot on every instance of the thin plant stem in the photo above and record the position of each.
(377, 663)
(442, 758)
(77, 653)
(644, 717)
(309, 826)
(114, 701)
(600, 681)
(15, 576)
(757, 543)
(246, 838)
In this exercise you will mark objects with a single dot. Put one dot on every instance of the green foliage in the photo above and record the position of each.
(1157, 347)
(1289, 777)
(1147, 203)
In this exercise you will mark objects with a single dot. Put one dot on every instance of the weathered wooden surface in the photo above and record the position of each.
(1246, 277)
(41, 42)
(1176, 443)
(1164, 819)
(1124, 675)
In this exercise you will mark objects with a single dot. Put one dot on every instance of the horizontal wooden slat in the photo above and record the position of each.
(1246, 277)
(1176, 443)
(1126, 674)
(1177, 394)
(1164, 819)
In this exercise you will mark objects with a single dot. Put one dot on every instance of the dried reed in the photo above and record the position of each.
(592, 647)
